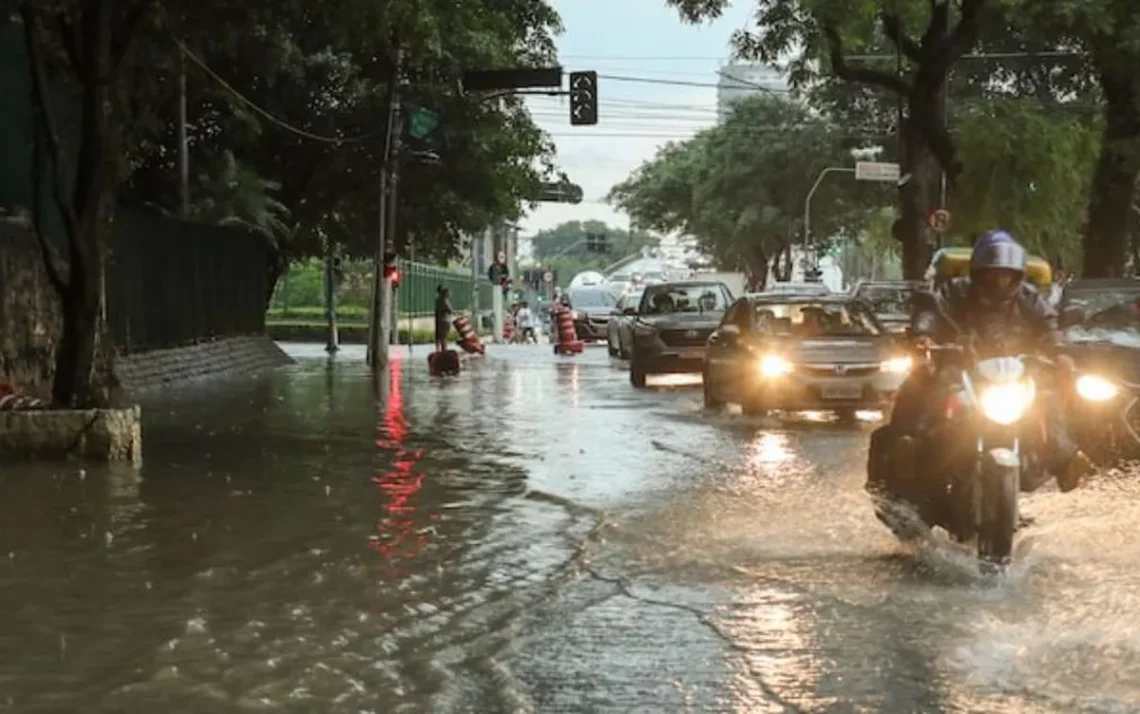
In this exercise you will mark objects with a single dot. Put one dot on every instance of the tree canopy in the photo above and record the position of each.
(565, 249)
(739, 187)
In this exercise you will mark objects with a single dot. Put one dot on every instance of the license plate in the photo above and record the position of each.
(691, 353)
(842, 391)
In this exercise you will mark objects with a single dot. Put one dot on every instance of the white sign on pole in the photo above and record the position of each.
(548, 277)
(874, 171)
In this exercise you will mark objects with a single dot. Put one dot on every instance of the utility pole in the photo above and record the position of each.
(331, 254)
(183, 143)
(380, 318)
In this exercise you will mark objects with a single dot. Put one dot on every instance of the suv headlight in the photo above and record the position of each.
(897, 365)
(1094, 388)
(772, 366)
(1006, 403)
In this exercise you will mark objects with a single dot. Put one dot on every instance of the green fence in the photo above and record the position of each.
(172, 283)
(418, 283)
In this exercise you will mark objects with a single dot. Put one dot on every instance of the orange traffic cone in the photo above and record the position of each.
(568, 342)
(468, 338)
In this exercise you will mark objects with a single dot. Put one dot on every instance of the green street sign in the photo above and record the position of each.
(422, 122)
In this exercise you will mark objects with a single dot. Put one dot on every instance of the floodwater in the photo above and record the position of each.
(532, 536)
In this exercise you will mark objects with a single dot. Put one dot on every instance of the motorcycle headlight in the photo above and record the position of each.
(772, 366)
(897, 365)
(1094, 388)
(1006, 403)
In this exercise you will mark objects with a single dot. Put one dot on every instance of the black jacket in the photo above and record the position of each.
(1027, 323)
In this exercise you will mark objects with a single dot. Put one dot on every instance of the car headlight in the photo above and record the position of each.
(772, 366)
(897, 365)
(1094, 388)
(1007, 403)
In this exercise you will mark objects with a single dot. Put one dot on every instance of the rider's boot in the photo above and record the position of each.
(903, 460)
(1075, 471)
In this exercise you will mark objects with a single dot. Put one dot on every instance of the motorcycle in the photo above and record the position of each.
(985, 443)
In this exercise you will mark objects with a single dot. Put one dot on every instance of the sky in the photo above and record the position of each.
(645, 42)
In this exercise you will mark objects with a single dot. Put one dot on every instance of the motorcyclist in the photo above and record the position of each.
(995, 307)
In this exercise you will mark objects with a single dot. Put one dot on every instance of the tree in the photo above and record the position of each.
(564, 248)
(317, 69)
(739, 188)
(1109, 30)
(825, 29)
(85, 45)
(1027, 168)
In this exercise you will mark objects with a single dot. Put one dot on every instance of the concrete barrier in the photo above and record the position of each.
(88, 434)
(156, 369)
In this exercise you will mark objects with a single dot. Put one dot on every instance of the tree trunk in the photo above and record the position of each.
(1113, 188)
(917, 198)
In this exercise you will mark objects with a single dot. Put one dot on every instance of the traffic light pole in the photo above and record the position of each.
(380, 316)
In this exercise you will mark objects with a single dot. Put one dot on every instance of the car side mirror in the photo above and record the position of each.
(1071, 317)
(630, 311)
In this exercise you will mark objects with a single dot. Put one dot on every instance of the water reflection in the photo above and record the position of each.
(397, 537)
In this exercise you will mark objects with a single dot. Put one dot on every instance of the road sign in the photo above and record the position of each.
(548, 277)
(422, 123)
(583, 98)
(874, 171)
(939, 220)
(519, 78)
(560, 192)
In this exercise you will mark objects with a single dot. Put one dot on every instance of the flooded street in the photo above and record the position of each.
(532, 536)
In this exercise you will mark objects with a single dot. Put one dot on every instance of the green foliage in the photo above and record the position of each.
(563, 248)
(739, 188)
(1027, 170)
(327, 71)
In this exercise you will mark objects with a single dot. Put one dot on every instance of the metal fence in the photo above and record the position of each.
(418, 283)
(172, 283)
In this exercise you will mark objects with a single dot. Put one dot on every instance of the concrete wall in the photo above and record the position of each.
(30, 318)
(30, 327)
(164, 368)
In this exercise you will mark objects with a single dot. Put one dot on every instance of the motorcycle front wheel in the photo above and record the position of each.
(998, 487)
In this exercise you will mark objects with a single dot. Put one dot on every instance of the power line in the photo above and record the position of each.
(672, 82)
(264, 113)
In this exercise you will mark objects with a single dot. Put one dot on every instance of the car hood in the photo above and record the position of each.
(684, 321)
(839, 350)
(595, 313)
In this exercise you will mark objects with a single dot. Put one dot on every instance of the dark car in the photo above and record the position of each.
(619, 333)
(889, 300)
(794, 353)
(1105, 342)
(591, 309)
(672, 325)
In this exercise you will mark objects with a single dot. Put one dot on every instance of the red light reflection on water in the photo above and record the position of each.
(397, 536)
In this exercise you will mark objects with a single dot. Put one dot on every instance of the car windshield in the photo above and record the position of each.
(591, 298)
(670, 299)
(888, 300)
(814, 320)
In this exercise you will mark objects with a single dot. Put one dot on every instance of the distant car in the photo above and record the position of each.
(672, 325)
(796, 289)
(889, 300)
(795, 353)
(590, 309)
(619, 333)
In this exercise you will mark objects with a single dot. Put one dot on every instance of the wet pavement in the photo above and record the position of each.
(533, 535)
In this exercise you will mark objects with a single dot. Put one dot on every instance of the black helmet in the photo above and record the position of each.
(997, 266)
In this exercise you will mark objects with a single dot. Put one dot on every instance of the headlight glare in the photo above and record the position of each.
(772, 366)
(897, 365)
(1094, 388)
(1007, 403)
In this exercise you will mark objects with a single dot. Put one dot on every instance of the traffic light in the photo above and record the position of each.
(583, 98)
(597, 243)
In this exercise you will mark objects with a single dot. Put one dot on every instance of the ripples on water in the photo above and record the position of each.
(533, 535)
